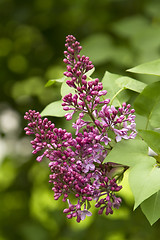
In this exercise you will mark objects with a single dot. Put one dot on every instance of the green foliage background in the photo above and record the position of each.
(116, 35)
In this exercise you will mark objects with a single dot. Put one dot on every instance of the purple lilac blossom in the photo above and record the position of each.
(87, 98)
(77, 163)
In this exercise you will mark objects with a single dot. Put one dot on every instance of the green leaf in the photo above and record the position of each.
(89, 73)
(152, 68)
(130, 83)
(65, 89)
(151, 208)
(110, 84)
(144, 175)
(155, 116)
(53, 81)
(128, 152)
(141, 121)
(152, 138)
(144, 179)
(147, 101)
(54, 109)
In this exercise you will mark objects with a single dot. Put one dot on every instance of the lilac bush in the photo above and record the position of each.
(77, 162)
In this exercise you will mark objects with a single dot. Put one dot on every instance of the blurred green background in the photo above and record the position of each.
(116, 35)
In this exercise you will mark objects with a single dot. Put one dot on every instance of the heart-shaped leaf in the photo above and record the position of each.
(144, 179)
(151, 208)
(155, 116)
(130, 83)
(146, 102)
(144, 174)
(128, 152)
(152, 138)
(54, 109)
(110, 84)
(65, 89)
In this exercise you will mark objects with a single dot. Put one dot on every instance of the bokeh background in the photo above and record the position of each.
(116, 35)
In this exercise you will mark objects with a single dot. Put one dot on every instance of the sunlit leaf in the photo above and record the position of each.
(90, 72)
(152, 68)
(54, 109)
(130, 83)
(110, 84)
(151, 208)
(128, 152)
(53, 81)
(144, 175)
(65, 89)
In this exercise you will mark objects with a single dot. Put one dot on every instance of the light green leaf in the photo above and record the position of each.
(152, 68)
(151, 208)
(144, 175)
(128, 152)
(89, 73)
(147, 101)
(152, 138)
(144, 179)
(110, 84)
(53, 81)
(130, 83)
(65, 89)
(54, 109)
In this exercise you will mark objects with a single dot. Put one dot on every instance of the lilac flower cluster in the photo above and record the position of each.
(77, 163)
(87, 99)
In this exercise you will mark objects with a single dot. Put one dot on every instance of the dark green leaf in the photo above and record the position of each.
(155, 116)
(152, 138)
(147, 101)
